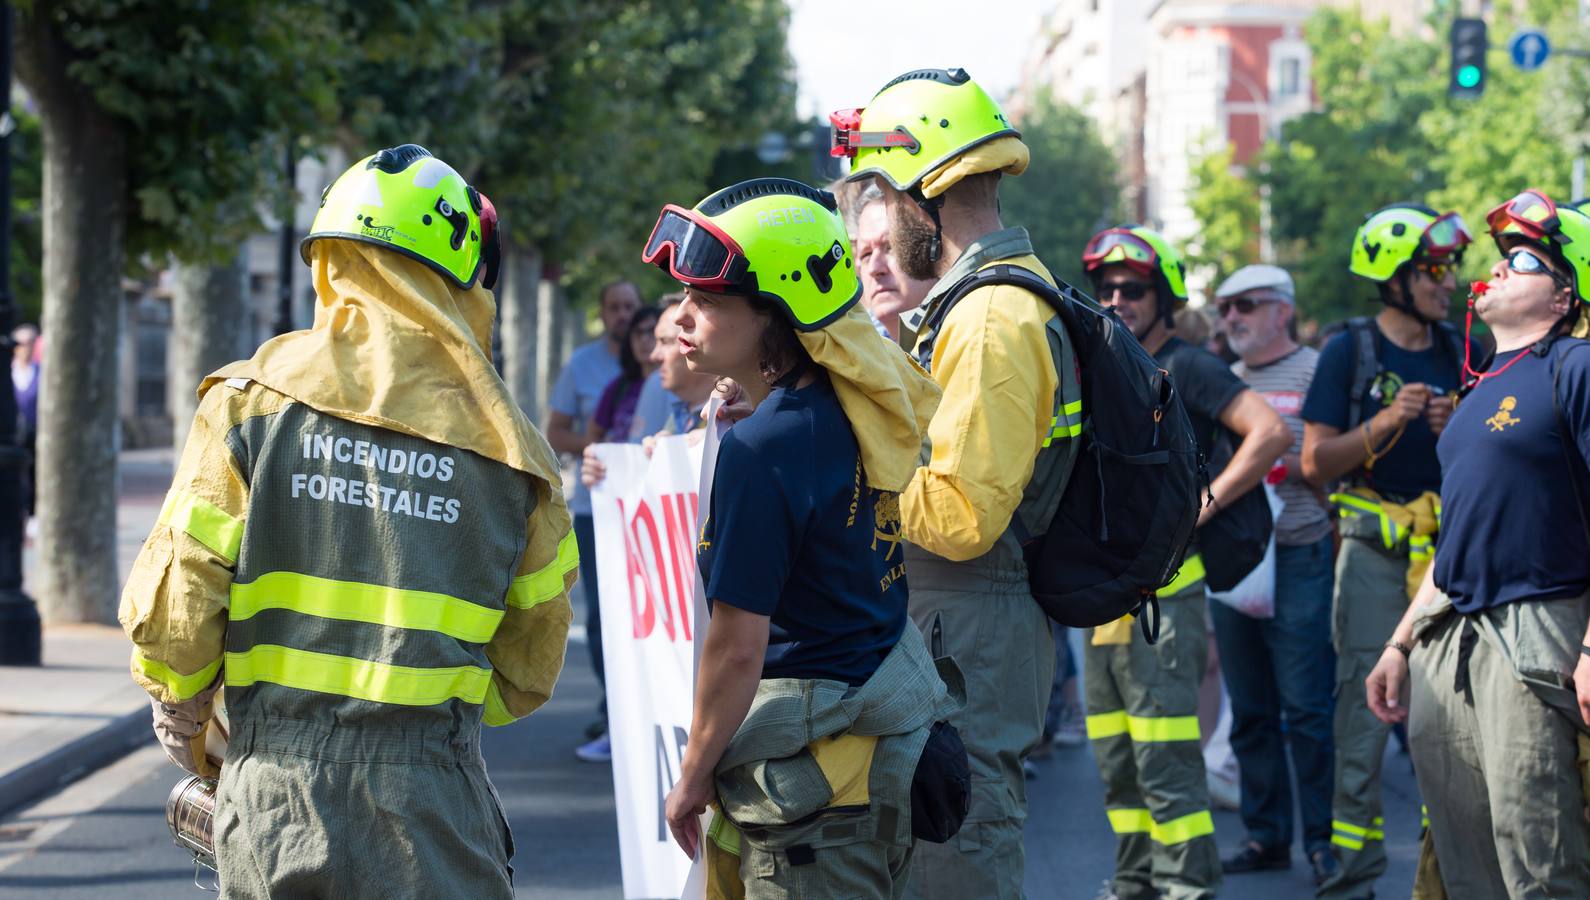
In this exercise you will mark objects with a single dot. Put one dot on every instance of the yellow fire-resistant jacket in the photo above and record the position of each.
(994, 361)
(362, 528)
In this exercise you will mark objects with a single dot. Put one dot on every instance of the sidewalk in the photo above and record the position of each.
(81, 709)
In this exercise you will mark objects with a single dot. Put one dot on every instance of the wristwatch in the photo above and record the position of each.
(1400, 647)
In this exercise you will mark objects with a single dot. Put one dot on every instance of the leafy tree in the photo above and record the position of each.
(161, 126)
(1069, 192)
(1227, 208)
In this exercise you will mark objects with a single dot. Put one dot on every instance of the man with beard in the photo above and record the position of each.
(1281, 666)
(1142, 699)
(936, 145)
(1382, 393)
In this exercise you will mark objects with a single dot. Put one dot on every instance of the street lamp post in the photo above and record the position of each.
(20, 636)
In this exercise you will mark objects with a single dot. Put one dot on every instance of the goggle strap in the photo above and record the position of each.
(850, 141)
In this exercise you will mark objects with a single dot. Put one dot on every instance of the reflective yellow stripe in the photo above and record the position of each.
(1106, 725)
(1183, 829)
(361, 679)
(497, 711)
(1130, 821)
(204, 522)
(1067, 424)
(183, 687)
(1424, 816)
(546, 582)
(1349, 843)
(1145, 730)
(1190, 573)
(1374, 833)
(377, 604)
(724, 835)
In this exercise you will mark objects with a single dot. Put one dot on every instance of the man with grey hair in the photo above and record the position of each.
(887, 291)
(1283, 666)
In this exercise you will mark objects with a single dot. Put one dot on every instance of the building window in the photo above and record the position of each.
(1291, 77)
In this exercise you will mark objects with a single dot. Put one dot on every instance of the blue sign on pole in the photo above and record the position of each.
(1529, 49)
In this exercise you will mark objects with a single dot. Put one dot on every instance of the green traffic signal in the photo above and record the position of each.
(1468, 76)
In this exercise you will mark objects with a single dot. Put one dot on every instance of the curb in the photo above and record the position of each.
(69, 762)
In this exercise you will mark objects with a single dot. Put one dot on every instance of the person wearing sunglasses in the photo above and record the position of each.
(1156, 789)
(1381, 394)
(1497, 700)
(938, 146)
(814, 697)
(1284, 665)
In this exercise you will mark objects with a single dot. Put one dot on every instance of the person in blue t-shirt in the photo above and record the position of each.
(799, 550)
(1498, 636)
(1381, 394)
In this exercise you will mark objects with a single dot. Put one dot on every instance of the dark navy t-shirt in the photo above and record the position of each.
(1409, 468)
(1510, 527)
(794, 533)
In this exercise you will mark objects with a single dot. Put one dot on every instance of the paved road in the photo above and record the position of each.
(106, 835)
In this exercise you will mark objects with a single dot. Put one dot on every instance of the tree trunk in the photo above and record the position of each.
(516, 304)
(212, 324)
(84, 217)
(549, 342)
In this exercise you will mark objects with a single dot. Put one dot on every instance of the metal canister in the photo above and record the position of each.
(190, 813)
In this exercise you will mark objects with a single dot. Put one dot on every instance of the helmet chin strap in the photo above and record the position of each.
(1405, 304)
(932, 207)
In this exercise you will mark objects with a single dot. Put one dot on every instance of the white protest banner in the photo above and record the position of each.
(645, 514)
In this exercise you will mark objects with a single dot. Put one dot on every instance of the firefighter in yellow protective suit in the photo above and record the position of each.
(366, 545)
(1000, 447)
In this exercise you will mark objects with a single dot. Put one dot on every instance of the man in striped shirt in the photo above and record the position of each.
(1283, 666)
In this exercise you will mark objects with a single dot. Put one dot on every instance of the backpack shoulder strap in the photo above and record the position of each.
(1015, 276)
(1366, 364)
(1570, 452)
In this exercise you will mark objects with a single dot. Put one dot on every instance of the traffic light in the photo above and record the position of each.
(1470, 41)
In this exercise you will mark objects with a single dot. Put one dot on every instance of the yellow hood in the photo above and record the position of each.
(396, 346)
(885, 394)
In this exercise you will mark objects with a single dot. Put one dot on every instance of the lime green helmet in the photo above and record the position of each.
(1146, 252)
(1564, 231)
(920, 122)
(771, 238)
(407, 200)
(1396, 235)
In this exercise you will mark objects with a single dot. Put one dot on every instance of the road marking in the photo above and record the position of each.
(23, 833)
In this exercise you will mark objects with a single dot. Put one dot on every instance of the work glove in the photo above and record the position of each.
(180, 729)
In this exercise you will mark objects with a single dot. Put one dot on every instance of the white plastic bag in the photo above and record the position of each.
(1254, 595)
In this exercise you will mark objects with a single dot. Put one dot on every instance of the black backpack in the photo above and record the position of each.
(1233, 542)
(1126, 517)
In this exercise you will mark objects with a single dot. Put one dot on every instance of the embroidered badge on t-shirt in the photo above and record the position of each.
(1504, 415)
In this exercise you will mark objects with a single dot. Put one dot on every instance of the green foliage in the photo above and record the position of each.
(204, 91)
(601, 112)
(27, 228)
(1068, 193)
(1386, 131)
(1227, 208)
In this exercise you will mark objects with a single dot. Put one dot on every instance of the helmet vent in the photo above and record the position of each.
(729, 198)
(950, 77)
(393, 160)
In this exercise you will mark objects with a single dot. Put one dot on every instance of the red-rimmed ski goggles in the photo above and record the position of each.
(846, 137)
(1446, 236)
(1530, 214)
(699, 253)
(1120, 245)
